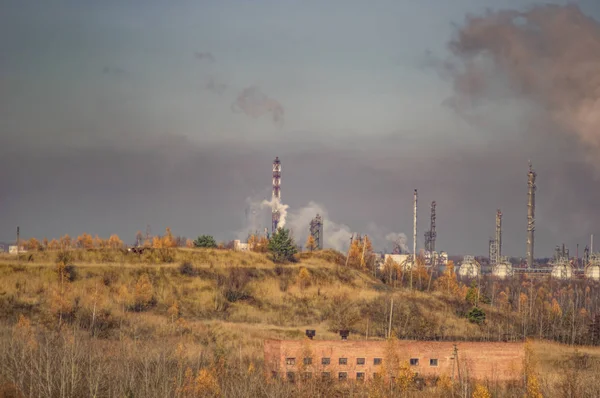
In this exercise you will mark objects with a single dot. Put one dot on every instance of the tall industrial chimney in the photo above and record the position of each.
(431, 234)
(276, 199)
(530, 214)
(498, 235)
(415, 229)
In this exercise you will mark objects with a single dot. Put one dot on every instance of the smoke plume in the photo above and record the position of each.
(276, 204)
(548, 55)
(398, 239)
(255, 103)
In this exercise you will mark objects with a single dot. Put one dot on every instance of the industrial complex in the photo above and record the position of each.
(562, 266)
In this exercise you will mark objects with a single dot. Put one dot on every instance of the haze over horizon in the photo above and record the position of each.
(115, 115)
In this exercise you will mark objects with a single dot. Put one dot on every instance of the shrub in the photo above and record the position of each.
(187, 269)
(476, 315)
(71, 272)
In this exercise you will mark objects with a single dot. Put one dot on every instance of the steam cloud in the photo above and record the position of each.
(282, 208)
(398, 239)
(548, 55)
(336, 236)
(255, 103)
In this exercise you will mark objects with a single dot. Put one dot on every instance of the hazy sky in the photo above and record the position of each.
(119, 114)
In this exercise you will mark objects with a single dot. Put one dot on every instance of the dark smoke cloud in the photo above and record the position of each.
(255, 103)
(548, 56)
(204, 56)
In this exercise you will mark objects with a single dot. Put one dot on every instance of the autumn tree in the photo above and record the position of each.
(144, 293)
(115, 243)
(355, 254)
(65, 242)
(311, 244)
(32, 244)
(189, 243)
(447, 283)
(54, 245)
(481, 391)
(85, 241)
(304, 278)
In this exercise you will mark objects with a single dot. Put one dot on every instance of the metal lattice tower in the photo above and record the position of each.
(316, 231)
(492, 250)
(530, 214)
(276, 193)
(431, 234)
(498, 236)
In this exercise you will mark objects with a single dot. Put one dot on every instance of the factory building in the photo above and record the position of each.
(469, 268)
(359, 360)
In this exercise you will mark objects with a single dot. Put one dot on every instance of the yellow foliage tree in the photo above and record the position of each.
(530, 371)
(392, 271)
(168, 240)
(263, 245)
(311, 244)
(189, 243)
(481, 391)
(355, 254)
(252, 242)
(85, 241)
(115, 243)
(144, 292)
(205, 384)
(65, 242)
(447, 282)
(304, 278)
(54, 245)
(32, 244)
(45, 243)
(24, 332)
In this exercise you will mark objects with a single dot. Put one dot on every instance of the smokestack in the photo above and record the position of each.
(415, 229)
(530, 214)
(276, 194)
(592, 243)
(498, 236)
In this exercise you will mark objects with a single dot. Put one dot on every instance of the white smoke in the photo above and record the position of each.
(335, 236)
(276, 204)
(398, 239)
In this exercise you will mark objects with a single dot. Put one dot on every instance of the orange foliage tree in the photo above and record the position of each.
(85, 241)
(115, 243)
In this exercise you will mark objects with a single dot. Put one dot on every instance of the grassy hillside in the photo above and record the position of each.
(157, 321)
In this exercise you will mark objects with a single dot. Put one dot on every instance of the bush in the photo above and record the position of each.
(236, 285)
(71, 272)
(187, 269)
(476, 315)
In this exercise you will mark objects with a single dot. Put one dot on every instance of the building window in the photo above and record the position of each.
(360, 376)
(290, 361)
(377, 361)
(414, 361)
(326, 375)
(325, 361)
(306, 375)
(308, 361)
(343, 376)
(433, 362)
(291, 376)
(343, 361)
(360, 361)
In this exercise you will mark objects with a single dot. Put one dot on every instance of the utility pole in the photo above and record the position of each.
(18, 244)
(414, 262)
(391, 315)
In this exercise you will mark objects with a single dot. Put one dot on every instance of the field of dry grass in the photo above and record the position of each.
(223, 304)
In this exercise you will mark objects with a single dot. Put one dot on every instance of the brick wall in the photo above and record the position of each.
(478, 360)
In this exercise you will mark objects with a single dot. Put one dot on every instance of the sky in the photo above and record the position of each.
(116, 115)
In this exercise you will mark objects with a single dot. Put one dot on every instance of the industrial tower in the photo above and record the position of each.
(431, 234)
(316, 231)
(498, 236)
(276, 199)
(530, 214)
(414, 231)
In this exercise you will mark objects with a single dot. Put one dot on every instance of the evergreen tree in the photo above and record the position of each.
(282, 246)
(205, 241)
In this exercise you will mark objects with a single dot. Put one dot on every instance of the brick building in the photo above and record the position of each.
(362, 360)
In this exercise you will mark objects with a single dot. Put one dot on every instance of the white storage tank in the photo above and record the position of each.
(502, 270)
(592, 269)
(469, 268)
(562, 269)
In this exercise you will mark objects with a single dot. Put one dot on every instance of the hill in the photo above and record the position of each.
(154, 323)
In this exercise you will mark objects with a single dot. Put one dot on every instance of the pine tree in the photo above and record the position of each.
(282, 246)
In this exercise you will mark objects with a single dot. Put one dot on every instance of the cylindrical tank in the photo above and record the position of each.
(562, 270)
(592, 269)
(502, 270)
(469, 268)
